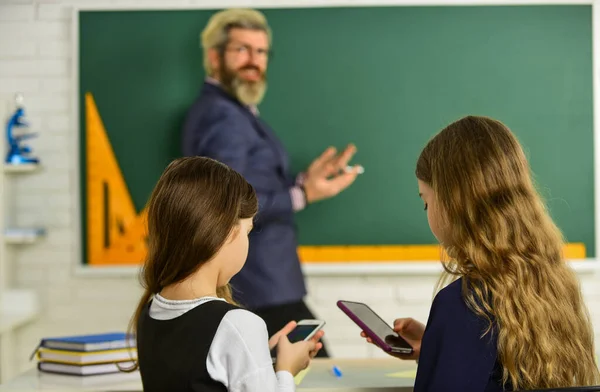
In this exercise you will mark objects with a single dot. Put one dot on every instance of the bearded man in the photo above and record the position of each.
(224, 124)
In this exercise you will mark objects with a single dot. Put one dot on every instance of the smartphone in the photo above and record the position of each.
(305, 329)
(374, 327)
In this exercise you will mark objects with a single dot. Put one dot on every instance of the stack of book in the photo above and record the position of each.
(87, 355)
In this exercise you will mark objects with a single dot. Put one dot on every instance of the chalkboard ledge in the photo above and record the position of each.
(407, 268)
(403, 268)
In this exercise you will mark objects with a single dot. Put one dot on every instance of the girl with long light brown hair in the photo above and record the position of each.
(190, 334)
(514, 317)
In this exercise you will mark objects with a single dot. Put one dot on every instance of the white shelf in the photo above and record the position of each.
(21, 241)
(23, 235)
(17, 308)
(21, 168)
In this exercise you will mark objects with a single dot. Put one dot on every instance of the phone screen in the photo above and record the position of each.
(377, 325)
(300, 333)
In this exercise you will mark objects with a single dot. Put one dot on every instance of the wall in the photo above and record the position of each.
(35, 58)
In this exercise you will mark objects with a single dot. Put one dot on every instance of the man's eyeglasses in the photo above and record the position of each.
(243, 49)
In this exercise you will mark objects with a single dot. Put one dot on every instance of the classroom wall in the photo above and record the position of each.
(35, 58)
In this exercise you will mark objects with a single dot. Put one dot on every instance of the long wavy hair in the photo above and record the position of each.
(501, 240)
(195, 206)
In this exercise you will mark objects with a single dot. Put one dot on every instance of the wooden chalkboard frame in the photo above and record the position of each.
(366, 267)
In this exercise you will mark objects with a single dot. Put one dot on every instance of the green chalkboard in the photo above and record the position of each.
(384, 78)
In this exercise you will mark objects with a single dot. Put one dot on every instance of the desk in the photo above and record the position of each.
(359, 375)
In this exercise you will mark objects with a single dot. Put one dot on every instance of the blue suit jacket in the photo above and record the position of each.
(220, 127)
(454, 357)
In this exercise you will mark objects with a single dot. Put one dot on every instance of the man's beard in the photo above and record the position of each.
(247, 92)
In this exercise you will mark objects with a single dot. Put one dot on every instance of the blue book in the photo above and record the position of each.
(96, 342)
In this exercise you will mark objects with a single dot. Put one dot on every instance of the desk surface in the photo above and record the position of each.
(358, 375)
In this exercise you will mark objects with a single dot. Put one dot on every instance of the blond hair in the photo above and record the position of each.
(216, 33)
(504, 244)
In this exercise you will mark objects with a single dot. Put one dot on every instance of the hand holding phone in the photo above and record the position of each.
(376, 329)
(305, 330)
(410, 330)
(295, 350)
(293, 357)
